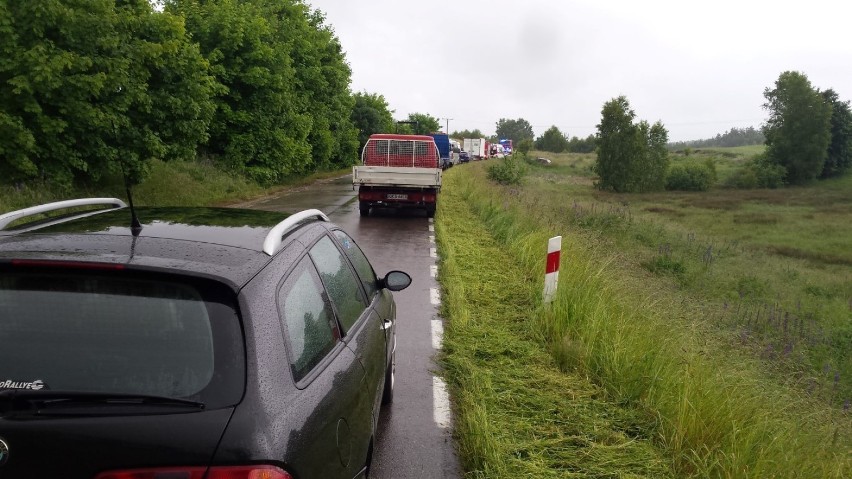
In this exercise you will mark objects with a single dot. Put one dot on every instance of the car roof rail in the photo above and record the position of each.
(8, 218)
(276, 235)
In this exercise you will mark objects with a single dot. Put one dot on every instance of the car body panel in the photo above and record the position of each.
(318, 425)
(81, 447)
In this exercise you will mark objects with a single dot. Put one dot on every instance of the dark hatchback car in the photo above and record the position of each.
(464, 157)
(201, 343)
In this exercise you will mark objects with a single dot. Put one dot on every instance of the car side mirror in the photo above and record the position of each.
(395, 281)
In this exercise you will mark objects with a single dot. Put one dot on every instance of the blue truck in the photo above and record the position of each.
(442, 140)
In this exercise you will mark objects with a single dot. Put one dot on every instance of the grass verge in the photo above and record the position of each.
(518, 414)
(708, 408)
(192, 183)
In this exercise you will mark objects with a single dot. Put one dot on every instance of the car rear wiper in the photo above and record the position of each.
(40, 400)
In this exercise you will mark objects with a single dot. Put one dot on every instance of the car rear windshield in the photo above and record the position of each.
(116, 334)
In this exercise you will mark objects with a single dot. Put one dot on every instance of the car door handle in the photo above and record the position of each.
(386, 324)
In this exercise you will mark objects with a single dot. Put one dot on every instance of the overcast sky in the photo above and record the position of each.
(699, 67)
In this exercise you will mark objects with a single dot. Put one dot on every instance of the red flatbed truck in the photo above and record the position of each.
(398, 171)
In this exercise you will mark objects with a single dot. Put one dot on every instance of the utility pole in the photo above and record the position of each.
(448, 125)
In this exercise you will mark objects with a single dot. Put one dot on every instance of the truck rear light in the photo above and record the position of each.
(224, 472)
(369, 196)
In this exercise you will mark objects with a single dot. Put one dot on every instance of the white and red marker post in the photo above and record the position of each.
(551, 275)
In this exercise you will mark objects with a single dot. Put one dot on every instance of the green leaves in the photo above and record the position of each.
(839, 156)
(285, 105)
(631, 157)
(515, 130)
(476, 133)
(425, 123)
(88, 84)
(798, 130)
(371, 114)
(552, 140)
(85, 84)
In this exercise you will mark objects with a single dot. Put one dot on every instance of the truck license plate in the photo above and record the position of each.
(396, 196)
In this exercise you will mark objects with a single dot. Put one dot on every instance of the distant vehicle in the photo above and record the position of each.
(190, 343)
(476, 147)
(507, 146)
(496, 151)
(442, 141)
(399, 171)
(464, 157)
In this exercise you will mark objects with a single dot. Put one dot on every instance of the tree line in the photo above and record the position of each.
(259, 87)
(808, 136)
(520, 131)
(733, 137)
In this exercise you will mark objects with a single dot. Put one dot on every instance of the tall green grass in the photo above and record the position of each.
(709, 405)
(772, 266)
(194, 183)
(517, 413)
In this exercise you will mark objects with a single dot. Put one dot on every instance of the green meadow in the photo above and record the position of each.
(714, 329)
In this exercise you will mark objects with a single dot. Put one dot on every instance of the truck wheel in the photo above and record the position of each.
(430, 212)
(364, 208)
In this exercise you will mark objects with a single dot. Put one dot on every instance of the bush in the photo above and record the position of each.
(742, 179)
(768, 174)
(758, 173)
(691, 176)
(508, 171)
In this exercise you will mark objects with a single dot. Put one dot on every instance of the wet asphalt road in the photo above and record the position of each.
(414, 439)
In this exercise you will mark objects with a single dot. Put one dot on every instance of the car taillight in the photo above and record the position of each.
(224, 472)
(247, 472)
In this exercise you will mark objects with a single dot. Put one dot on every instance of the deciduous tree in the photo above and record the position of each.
(322, 80)
(476, 133)
(515, 130)
(371, 114)
(552, 140)
(839, 157)
(84, 84)
(630, 157)
(798, 130)
(286, 108)
(582, 145)
(654, 166)
(425, 123)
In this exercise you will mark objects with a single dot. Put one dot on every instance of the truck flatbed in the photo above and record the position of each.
(396, 176)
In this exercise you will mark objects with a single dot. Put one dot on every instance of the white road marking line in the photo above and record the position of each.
(440, 397)
(435, 296)
(437, 333)
(441, 401)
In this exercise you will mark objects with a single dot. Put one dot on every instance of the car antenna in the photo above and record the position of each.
(135, 224)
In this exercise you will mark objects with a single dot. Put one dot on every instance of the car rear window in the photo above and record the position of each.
(114, 334)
